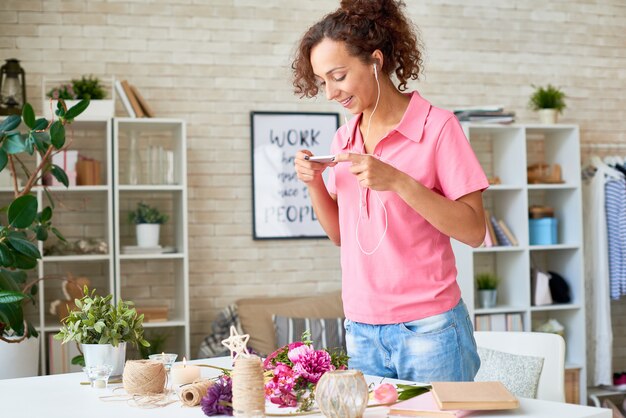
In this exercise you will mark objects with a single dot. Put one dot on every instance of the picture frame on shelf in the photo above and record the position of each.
(281, 205)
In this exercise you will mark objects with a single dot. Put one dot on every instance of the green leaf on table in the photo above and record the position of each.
(60, 175)
(57, 134)
(410, 391)
(10, 123)
(77, 109)
(22, 211)
(24, 246)
(13, 143)
(29, 115)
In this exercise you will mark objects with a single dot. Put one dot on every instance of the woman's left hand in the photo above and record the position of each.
(372, 172)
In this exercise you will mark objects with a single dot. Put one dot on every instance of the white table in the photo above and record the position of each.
(62, 396)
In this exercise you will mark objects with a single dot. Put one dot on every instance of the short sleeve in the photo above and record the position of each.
(457, 168)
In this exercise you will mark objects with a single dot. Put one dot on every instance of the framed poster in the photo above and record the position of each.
(281, 207)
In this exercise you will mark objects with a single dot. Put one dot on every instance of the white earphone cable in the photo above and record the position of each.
(358, 222)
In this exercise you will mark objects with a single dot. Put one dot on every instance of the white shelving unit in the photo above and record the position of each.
(156, 279)
(80, 212)
(100, 211)
(506, 151)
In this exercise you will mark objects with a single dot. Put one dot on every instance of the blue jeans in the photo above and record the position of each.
(433, 349)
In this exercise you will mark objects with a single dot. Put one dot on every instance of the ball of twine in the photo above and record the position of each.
(192, 394)
(144, 377)
(248, 387)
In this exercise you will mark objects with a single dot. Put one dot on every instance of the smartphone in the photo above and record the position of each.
(320, 158)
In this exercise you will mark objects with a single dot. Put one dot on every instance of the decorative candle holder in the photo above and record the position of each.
(342, 394)
(98, 375)
(166, 358)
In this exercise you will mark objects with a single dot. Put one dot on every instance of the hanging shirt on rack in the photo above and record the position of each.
(615, 202)
(600, 350)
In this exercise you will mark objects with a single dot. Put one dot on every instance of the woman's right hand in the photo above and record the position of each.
(308, 171)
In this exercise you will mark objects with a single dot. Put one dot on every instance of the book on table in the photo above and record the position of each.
(423, 406)
(473, 396)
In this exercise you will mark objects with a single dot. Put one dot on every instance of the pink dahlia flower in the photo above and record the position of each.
(309, 363)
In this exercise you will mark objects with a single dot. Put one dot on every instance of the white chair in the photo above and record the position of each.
(551, 347)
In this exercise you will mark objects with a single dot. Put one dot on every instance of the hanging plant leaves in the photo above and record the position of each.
(57, 134)
(28, 114)
(4, 159)
(24, 246)
(10, 123)
(59, 174)
(13, 143)
(41, 124)
(77, 109)
(6, 256)
(22, 211)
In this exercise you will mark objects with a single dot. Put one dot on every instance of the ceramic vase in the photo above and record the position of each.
(148, 235)
(488, 298)
(548, 116)
(99, 354)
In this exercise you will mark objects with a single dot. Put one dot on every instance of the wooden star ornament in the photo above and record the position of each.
(236, 343)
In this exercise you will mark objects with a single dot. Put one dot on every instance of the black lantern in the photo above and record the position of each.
(12, 88)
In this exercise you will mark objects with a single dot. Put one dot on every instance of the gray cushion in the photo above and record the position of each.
(519, 374)
(325, 332)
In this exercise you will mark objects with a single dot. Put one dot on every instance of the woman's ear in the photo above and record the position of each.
(377, 58)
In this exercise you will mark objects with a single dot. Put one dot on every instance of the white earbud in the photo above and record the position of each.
(376, 72)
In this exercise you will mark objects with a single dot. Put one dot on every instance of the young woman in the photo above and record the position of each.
(404, 180)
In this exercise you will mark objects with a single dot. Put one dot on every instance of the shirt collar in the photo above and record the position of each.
(411, 125)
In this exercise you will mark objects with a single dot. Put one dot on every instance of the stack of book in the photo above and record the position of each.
(498, 233)
(499, 322)
(133, 101)
(485, 114)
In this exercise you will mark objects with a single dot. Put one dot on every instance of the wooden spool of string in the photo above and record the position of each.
(192, 394)
(248, 388)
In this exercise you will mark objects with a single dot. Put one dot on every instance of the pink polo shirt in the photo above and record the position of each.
(412, 275)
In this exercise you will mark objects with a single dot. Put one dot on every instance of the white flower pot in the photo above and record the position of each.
(19, 359)
(99, 354)
(548, 116)
(97, 109)
(148, 235)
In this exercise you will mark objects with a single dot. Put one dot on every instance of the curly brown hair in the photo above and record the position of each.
(364, 26)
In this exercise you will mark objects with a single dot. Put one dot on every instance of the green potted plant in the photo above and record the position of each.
(487, 284)
(103, 330)
(22, 225)
(87, 87)
(147, 220)
(549, 101)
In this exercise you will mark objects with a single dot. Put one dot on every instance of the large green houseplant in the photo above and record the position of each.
(22, 223)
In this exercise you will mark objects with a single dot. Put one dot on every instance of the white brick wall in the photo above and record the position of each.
(212, 62)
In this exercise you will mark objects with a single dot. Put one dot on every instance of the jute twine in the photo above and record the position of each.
(144, 377)
(192, 394)
(248, 388)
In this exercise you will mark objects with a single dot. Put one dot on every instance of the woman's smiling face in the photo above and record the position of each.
(343, 77)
